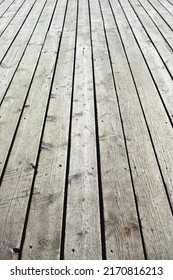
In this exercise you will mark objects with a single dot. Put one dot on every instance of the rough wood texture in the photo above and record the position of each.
(160, 43)
(10, 14)
(23, 156)
(121, 222)
(5, 5)
(45, 239)
(148, 184)
(15, 100)
(10, 58)
(83, 238)
(154, 111)
(86, 129)
(155, 64)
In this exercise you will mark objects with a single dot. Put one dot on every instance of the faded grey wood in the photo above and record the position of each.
(10, 14)
(153, 108)
(10, 33)
(83, 237)
(20, 167)
(47, 206)
(153, 32)
(121, 222)
(167, 5)
(120, 161)
(5, 5)
(158, 20)
(158, 121)
(13, 103)
(158, 70)
(161, 10)
(156, 223)
(15, 53)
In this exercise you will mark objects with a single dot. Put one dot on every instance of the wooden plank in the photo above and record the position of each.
(10, 14)
(5, 5)
(43, 240)
(155, 64)
(15, 53)
(166, 16)
(154, 111)
(156, 221)
(15, 26)
(168, 6)
(123, 240)
(83, 237)
(165, 27)
(20, 168)
(14, 102)
(157, 39)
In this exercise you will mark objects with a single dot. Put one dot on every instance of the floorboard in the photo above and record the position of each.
(114, 161)
(9, 15)
(5, 5)
(50, 182)
(86, 129)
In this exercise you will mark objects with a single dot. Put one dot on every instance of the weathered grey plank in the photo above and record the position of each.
(156, 223)
(123, 240)
(156, 66)
(10, 14)
(16, 24)
(15, 53)
(155, 113)
(159, 42)
(43, 241)
(20, 168)
(159, 20)
(131, 183)
(83, 236)
(5, 5)
(167, 5)
(167, 17)
(13, 103)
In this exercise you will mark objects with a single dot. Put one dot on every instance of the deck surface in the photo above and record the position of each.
(86, 129)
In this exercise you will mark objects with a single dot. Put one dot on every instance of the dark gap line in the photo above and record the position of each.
(42, 133)
(62, 248)
(2, 2)
(157, 28)
(165, 8)
(167, 193)
(148, 67)
(151, 40)
(156, 24)
(18, 31)
(100, 189)
(13, 17)
(20, 117)
(170, 2)
(7, 8)
(148, 128)
(124, 136)
(160, 13)
(22, 55)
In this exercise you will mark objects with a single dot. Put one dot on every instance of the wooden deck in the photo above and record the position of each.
(86, 129)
